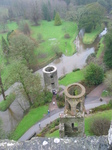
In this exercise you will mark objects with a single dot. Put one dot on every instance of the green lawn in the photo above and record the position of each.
(54, 35)
(101, 48)
(54, 134)
(29, 120)
(88, 120)
(89, 38)
(72, 78)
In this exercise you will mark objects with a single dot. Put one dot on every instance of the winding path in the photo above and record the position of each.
(91, 101)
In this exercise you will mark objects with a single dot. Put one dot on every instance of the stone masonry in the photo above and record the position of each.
(50, 77)
(72, 120)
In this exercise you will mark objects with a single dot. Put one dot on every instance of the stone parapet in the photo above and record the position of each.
(76, 143)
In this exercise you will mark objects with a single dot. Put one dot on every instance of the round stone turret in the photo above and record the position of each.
(74, 99)
(50, 77)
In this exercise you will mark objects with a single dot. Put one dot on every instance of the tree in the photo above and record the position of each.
(108, 49)
(24, 27)
(57, 21)
(30, 83)
(22, 47)
(91, 16)
(34, 12)
(3, 22)
(46, 11)
(5, 46)
(108, 80)
(93, 74)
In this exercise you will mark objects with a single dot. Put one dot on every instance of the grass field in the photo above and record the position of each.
(101, 48)
(54, 35)
(88, 120)
(29, 120)
(72, 78)
(89, 38)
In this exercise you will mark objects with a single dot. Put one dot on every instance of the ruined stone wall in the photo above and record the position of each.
(50, 77)
(69, 131)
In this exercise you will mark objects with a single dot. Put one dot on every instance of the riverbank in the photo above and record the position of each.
(89, 38)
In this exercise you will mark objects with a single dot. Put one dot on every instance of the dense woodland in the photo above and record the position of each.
(20, 42)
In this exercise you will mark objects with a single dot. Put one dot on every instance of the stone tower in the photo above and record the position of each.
(72, 120)
(50, 77)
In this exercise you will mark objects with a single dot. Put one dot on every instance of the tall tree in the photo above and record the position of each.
(35, 12)
(57, 21)
(108, 49)
(30, 83)
(94, 74)
(91, 16)
(22, 47)
(5, 46)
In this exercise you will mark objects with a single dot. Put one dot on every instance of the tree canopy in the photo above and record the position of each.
(108, 49)
(91, 16)
(93, 74)
(22, 48)
(30, 83)
(57, 21)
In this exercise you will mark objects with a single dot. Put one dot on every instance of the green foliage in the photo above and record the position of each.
(105, 114)
(60, 100)
(57, 21)
(56, 50)
(66, 36)
(91, 16)
(46, 11)
(44, 98)
(22, 48)
(5, 46)
(108, 80)
(103, 107)
(30, 83)
(108, 49)
(93, 74)
(101, 48)
(29, 120)
(89, 38)
(100, 126)
(4, 105)
(105, 93)
(24, 27)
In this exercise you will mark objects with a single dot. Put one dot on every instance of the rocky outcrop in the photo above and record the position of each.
(85, 143)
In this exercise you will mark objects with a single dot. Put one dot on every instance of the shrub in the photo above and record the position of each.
(100, 126)
(67, 36)
(93, 74)
(103, 107)
(60, 104)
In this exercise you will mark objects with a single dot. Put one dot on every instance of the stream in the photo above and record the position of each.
(66, 64)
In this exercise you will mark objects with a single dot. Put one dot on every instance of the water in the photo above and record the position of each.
(66, 64)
